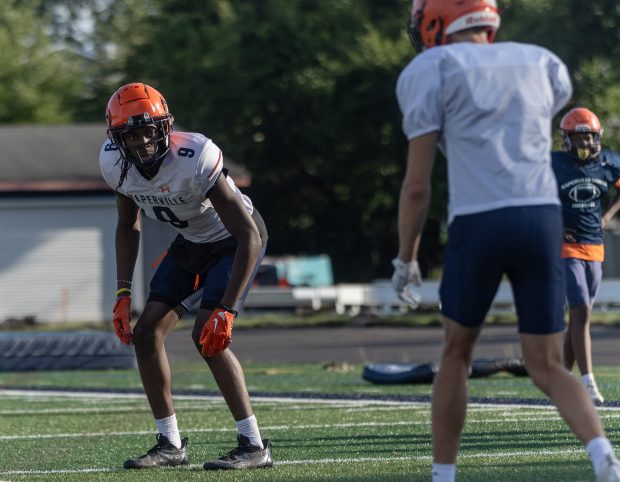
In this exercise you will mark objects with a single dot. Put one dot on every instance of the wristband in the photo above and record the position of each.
(230, 310)
(123, 290)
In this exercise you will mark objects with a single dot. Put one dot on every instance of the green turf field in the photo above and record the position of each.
(87, 436)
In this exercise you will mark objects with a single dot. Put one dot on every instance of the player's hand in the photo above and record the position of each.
(216, 333)
(405, 278)
(410, 296)
(405, 273)
(122, 319)
(569, 236)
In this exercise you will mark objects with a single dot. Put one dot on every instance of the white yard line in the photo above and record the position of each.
(275, 399)
(426, 458)
(351, 402)
(267, 428)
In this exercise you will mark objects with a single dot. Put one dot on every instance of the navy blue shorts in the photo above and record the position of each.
(174, 286)
(523, 243)
(177, 286)
(583, 279)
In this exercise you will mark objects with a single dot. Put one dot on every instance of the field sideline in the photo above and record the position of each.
(85, 433)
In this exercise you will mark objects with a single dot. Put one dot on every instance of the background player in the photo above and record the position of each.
(489, 108)
(178, 178)
(584, 172)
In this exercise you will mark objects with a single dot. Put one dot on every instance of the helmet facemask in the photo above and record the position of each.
(160, 140)
(413, 29)
(582, 150)
(581, 132)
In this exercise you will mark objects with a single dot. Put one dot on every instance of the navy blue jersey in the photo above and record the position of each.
(583, 190)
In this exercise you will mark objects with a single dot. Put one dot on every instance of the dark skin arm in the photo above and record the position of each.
(241, 226)
(127, 239)
(611, 209)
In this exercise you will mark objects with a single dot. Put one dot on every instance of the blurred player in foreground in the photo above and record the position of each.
(585, 172)
(489, 108)
(178, 178)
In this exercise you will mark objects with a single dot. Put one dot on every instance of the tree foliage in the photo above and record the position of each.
(37, 80)
(299, 91)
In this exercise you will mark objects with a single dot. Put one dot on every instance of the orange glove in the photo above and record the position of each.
(122, 318)
(216, 333)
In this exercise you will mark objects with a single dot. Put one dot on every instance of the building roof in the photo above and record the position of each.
(61, 158)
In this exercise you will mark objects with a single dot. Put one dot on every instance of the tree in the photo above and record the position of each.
(38, 80)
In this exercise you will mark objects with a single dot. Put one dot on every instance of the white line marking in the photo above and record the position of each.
(425, 458)
(85, 395)
(318, 401)
(267, 428)
(180, 407)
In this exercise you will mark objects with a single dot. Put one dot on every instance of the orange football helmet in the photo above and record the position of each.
(581, 120)
(433, 20)
(138, 105)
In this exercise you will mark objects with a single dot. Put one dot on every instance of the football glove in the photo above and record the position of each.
(410, 296)
(216, 333)
(405, 273)
(405, 278)
(122, 318)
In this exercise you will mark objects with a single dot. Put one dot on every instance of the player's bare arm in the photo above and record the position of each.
(127, 243)
(611, 209)
(415, 194)
(241, 226)
(127, 237)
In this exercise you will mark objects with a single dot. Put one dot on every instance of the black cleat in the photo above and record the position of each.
(164, 454)
(245, 456)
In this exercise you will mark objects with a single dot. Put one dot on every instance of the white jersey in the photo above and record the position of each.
(178, 192)
(492, 105)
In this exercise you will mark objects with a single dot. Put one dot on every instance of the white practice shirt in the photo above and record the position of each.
(493, 106)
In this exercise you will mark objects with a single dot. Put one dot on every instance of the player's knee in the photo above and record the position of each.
(580, 312)
(541, 369)
(458, 351)
(146, 338)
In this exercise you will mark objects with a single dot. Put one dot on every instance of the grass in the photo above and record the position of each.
(78, 437)
(283, 319)
(308, 379)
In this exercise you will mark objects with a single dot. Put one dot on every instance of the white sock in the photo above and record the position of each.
(588, 379)
(169, 429)
(444, 472)
(249, 428)
(598, 448)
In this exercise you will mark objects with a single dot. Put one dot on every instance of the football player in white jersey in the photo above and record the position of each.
(179, 178)
(489, 108)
